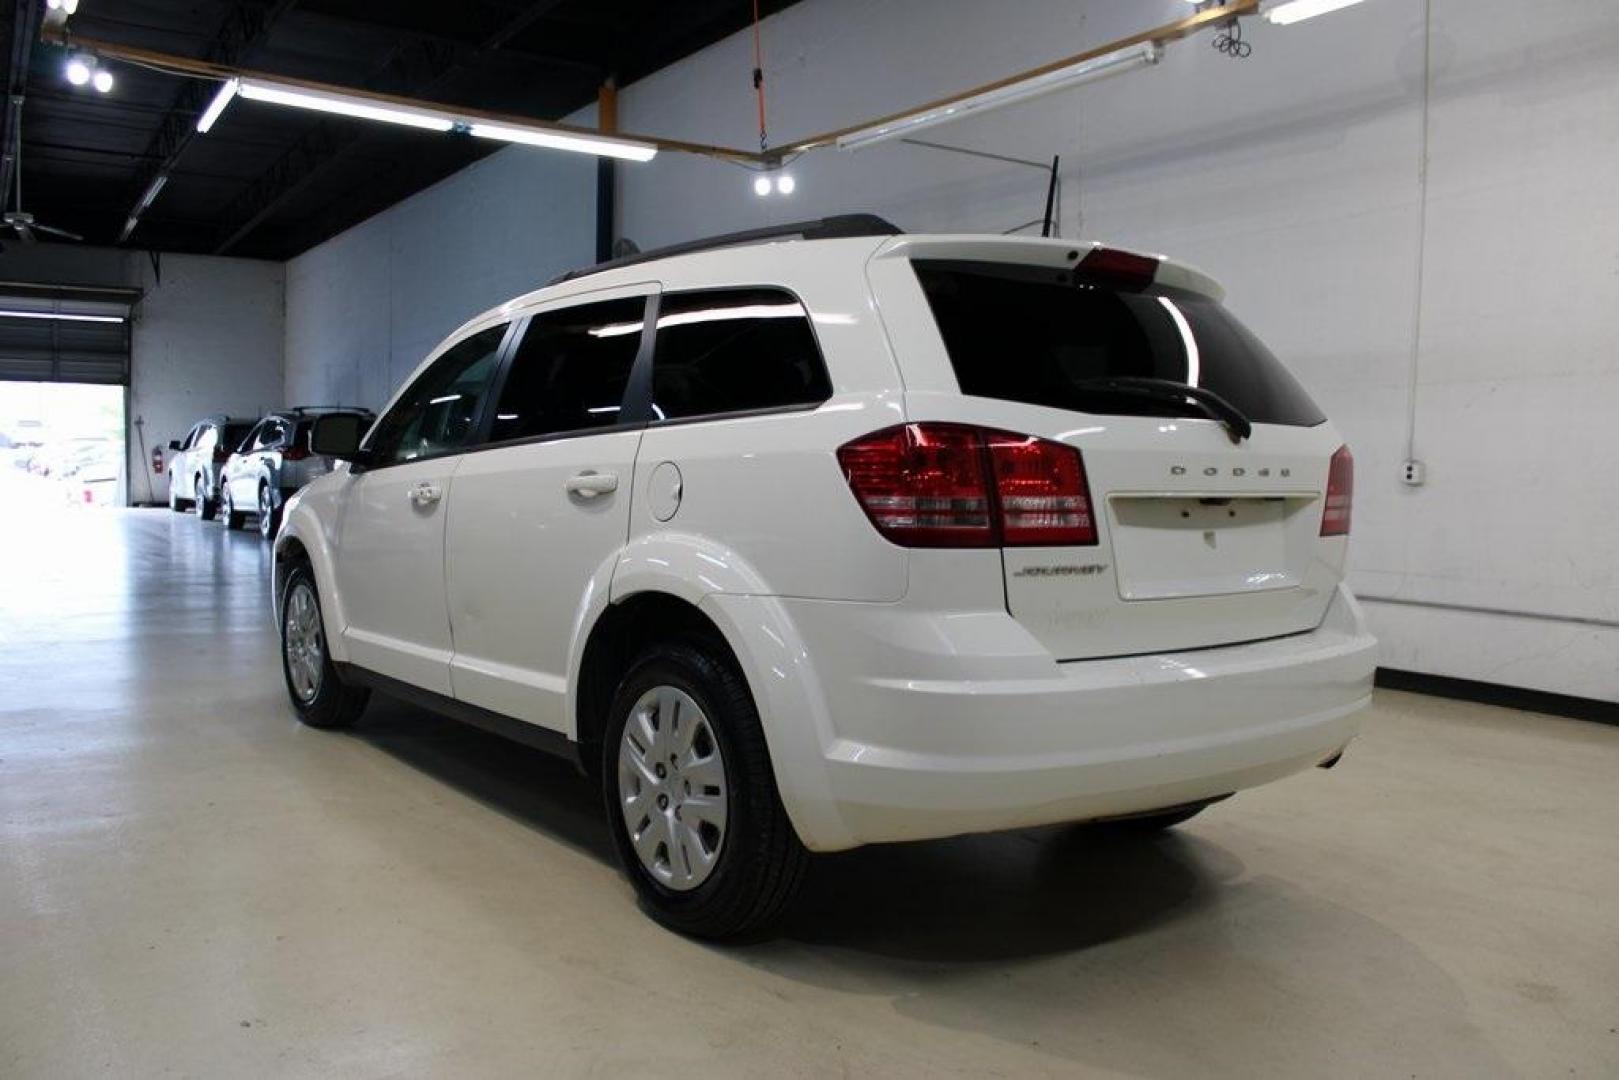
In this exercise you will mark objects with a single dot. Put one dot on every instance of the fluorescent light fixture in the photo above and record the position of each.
(342, 105)
(1292, 11)
(66, 7)
(77, 71)
(1085, 71)
(102, 80)
(59, 317)
(152, 190)
(129, 227)
(603, 145)
(217, 106)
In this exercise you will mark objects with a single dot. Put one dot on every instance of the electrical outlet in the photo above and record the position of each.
(1413, 473)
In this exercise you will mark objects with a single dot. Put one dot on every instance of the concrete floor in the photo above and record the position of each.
(192, 884)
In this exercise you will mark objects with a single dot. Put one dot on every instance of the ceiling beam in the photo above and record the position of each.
(244, 26)
(424, 66)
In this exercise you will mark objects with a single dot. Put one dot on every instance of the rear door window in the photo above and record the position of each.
(570, 370)
(735, 350)
(1041, 336)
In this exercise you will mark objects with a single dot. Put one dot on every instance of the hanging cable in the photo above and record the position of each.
(759, 74)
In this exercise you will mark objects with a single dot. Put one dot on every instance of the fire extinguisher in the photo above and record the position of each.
(157, 460)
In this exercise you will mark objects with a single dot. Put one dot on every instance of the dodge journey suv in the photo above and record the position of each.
(827, 535)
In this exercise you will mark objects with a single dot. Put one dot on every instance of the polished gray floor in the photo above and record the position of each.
(193, 885)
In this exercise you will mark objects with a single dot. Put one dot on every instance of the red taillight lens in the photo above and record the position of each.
(1124, 268)
(950, 485)
(1340, 494)
(923, 485)
(1041, 491)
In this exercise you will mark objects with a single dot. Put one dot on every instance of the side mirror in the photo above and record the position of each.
(174, 444)
(337, 436)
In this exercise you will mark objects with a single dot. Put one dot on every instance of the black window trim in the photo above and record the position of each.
(628, 404)
(650, 348)
(486, 408)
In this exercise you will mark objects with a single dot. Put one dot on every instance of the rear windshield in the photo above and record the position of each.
(1036, 335)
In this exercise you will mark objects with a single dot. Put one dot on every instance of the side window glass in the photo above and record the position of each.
(734, 350)
(190, 439)
(265, 436)
(570, 371)
(440, 411)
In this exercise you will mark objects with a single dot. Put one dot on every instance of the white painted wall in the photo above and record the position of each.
(365, 307)
(207, 337)
(1295, 176)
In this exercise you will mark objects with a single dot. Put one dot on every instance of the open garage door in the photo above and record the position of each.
(65, 333)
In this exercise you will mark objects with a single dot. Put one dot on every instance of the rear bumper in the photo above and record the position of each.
(1003, 737)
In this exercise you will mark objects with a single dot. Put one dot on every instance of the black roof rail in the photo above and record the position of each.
(837, 227)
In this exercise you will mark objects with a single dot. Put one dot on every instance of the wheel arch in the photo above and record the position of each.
(301, 541)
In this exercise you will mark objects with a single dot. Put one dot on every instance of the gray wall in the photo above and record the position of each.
(207, 338)
(365, 307)
(1432, 251)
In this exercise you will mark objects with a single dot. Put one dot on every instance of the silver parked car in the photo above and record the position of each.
(272, 462)
(198, 460)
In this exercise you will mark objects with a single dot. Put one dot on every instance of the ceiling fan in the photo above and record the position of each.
(17, 219)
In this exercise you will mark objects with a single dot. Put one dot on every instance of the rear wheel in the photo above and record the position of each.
(691, 797)
(204, 506)
(319, 696)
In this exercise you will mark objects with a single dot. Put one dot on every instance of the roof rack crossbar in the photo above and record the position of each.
(837, 227)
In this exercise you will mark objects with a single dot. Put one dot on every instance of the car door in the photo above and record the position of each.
(543, 509)
(238, 466)
(390, 558)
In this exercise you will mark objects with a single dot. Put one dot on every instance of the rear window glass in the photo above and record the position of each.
(735, 350)
(1031, 334)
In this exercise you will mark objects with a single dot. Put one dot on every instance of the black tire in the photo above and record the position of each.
(269, 513)
(335, 704)
(760, 859)
(234, 519)
(206, 507)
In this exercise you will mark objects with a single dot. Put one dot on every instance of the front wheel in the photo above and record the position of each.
(319, 696)
(205, 506)
(691, 797)
(269, 513)
(234, 518)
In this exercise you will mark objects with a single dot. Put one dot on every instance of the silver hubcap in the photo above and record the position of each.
(304, 643)
(671, 787)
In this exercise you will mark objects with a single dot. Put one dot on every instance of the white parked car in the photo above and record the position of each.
(827, 536)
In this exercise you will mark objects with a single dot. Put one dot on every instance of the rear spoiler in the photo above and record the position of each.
(1059, 255)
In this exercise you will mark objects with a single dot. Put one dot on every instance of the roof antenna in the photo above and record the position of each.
(1051, 196)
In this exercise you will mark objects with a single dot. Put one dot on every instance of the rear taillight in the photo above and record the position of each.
(1340, 494)
(951, 485)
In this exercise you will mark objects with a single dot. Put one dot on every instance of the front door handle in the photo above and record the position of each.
(425, 493)
(588, 484)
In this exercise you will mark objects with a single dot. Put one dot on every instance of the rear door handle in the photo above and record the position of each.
(425, 493)
(589, 484)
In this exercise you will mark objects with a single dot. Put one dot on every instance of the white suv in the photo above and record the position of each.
(826, 535)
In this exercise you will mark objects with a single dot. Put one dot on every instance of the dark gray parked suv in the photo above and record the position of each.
(272, 462)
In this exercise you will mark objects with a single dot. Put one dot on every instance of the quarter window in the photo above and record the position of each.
(440, 411)
(570, 371)
(735, 350)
